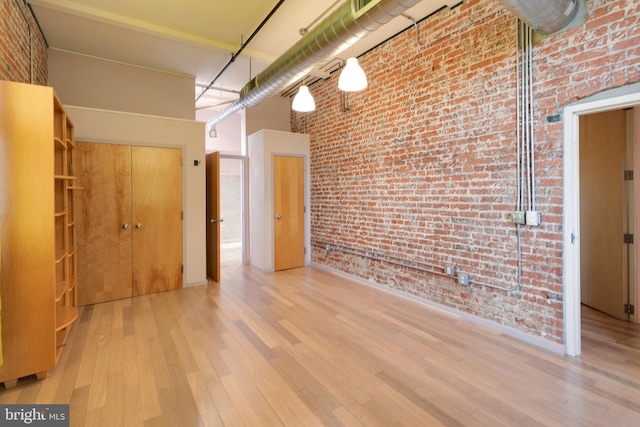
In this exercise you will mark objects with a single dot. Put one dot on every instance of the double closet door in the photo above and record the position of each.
(129, 221)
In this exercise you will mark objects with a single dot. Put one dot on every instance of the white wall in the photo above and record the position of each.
(263, 145)
(99, 83)
(273, 113)
(103, 126)
(230, 133)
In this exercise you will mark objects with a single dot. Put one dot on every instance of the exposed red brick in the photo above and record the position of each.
(23, 46)
(422, 168)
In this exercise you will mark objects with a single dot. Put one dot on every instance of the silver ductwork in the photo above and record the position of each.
(543, 16)
(346, 25)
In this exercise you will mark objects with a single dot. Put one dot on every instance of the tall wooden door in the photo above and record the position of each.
(128, 220)
(156, 190)
(213, 216)
(603, 212)
(103, 221)
(288, 204)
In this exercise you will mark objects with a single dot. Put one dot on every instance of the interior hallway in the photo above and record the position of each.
(230, 255)
(306, 347)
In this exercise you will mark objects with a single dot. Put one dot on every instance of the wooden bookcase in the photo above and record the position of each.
(37, 230)
(65, 228)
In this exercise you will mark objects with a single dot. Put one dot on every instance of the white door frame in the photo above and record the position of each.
(571, 223)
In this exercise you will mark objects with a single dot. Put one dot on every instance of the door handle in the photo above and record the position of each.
(217, 220)
(125, 226)
(278, 217)
(138, 225)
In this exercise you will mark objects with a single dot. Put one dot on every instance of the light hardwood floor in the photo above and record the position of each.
(308, 348)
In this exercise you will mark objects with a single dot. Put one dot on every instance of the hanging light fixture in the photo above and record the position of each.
(303, 101)
(352, 77)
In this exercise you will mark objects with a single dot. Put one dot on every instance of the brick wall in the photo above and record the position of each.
(23, 50)
(421, 172)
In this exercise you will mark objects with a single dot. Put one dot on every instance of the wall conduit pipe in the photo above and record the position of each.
(414, 265)
(401, 262)
(531, 119)
(519, 165)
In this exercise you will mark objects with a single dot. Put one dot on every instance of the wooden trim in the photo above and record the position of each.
(616, 98)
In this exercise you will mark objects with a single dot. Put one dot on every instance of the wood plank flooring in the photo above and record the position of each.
(305, 347)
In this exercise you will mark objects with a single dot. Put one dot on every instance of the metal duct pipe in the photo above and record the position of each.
(346, 25)
(543, 16)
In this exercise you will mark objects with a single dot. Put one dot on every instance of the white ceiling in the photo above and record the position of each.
(196, 37)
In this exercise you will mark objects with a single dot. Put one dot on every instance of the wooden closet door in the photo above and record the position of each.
(103, 217)
(157, 219)
(288, 205)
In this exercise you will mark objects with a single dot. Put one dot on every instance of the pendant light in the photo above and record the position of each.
(352, 77)
(303, 101)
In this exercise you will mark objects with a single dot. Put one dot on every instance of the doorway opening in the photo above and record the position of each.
(606, 211)
(574, 234)
(232, 203)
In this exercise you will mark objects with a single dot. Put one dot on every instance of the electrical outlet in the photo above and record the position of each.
(517, 217)
(328, 248)
(450, 270)
(463, 279)
(533, 218)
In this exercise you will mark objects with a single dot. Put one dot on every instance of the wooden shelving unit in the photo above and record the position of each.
(37, 230)
(65, 235)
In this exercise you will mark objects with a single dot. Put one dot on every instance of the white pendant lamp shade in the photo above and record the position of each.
(352, 77)
(303, 101)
